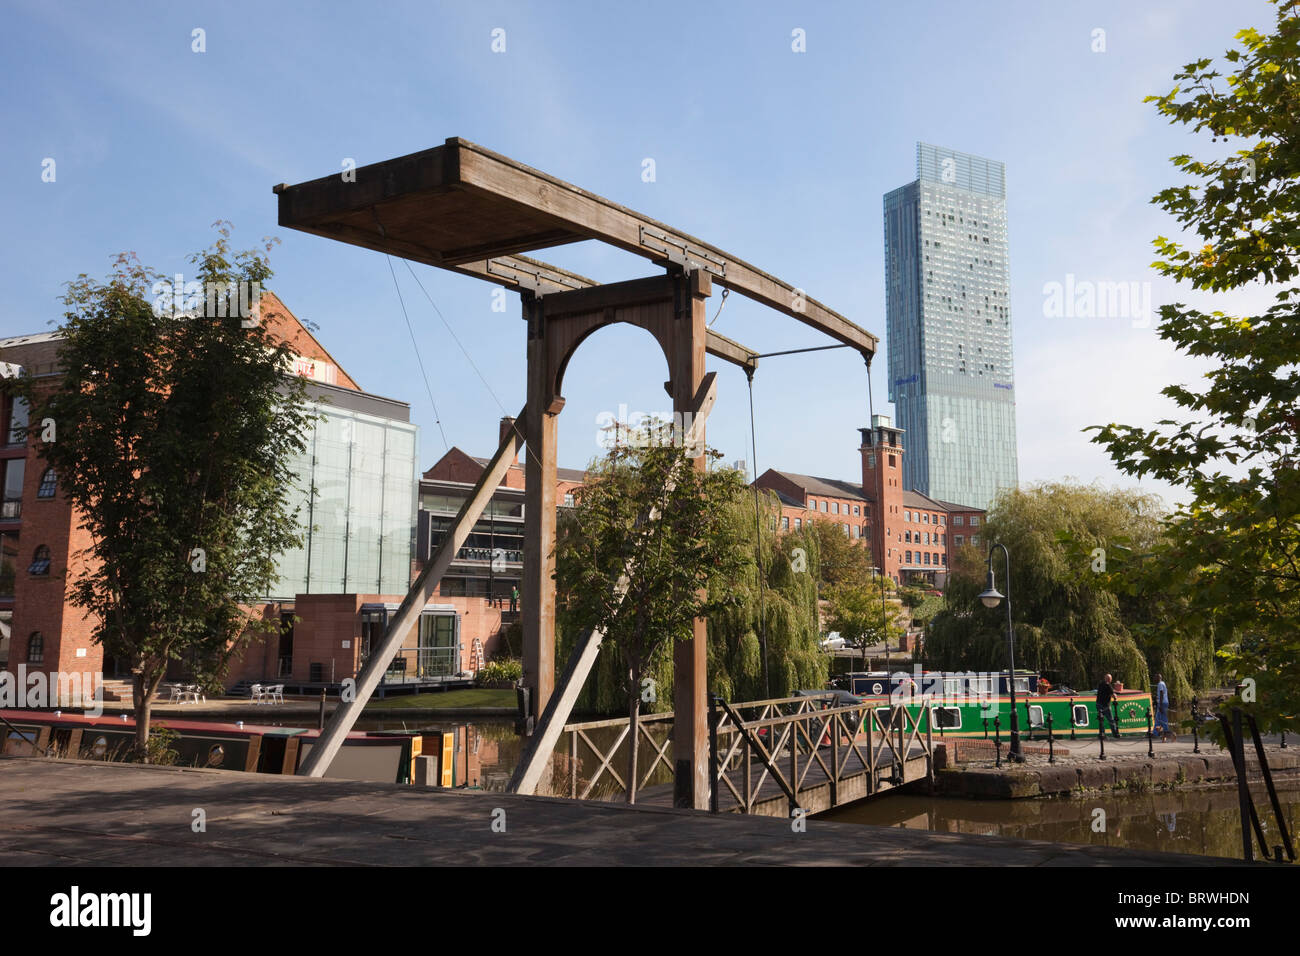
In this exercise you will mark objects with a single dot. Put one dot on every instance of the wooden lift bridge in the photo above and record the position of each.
(464, 208)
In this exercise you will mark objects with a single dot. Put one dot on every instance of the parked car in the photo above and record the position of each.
(833, 642)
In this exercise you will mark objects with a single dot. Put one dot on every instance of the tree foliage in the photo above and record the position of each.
(1071, 619)
(647, 550)
(172, 440)
(1233, 548)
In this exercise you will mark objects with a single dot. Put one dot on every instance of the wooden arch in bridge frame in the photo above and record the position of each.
(464, 208)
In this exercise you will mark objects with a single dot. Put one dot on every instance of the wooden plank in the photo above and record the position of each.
(254, 751)
(408, 614)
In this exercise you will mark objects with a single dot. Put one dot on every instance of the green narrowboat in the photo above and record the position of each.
(972, 704)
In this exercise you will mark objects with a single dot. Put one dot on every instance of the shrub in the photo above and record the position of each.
(493, 672)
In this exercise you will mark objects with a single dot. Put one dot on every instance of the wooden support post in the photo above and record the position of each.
(404, 620)
(690, 658)
(537, 592)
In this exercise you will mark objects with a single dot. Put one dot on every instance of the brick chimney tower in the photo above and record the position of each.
(882, 482)
(507, 423)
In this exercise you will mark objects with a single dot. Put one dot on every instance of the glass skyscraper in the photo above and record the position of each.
(948, 327)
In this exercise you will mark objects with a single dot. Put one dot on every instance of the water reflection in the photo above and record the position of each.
(1204, 822)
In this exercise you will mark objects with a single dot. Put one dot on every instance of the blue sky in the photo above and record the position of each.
(780, 158)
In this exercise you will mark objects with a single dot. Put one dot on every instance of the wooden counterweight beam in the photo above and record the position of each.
(458, 204)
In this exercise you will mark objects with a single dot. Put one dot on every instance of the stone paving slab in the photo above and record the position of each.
(83, 813)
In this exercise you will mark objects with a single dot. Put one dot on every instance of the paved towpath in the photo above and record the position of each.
(82, 813)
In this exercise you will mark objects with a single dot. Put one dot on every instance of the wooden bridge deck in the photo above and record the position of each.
(817, 791)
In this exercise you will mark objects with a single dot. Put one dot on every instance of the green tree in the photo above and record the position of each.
(842, 561)
(1233, 548)
(171, 439)
(861, 614)
(1068, 621)
(645, 551)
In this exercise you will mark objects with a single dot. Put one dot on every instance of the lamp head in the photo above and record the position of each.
(991, 596)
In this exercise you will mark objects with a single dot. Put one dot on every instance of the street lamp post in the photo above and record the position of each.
(991, 597)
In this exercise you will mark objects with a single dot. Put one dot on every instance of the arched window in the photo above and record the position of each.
(36, 648)
(49, 484)
(40, 561)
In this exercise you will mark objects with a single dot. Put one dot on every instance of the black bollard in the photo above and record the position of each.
(1114, 713)
(1151, 737)
(1071, 718)
(986, 728)
(997, 739)
(1051, 749)
(1284, 740)
(1196, 729)
(1101, 735)
(321, 719)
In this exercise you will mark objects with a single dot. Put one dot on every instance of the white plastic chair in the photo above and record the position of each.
(176, 696)
(195, 693)
(257, 693)
(276, 694)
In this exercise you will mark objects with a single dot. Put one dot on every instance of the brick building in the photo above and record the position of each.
(360, 537)
(911, 536)
(489, 567)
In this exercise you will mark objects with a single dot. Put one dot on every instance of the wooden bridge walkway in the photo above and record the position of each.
(770, 757)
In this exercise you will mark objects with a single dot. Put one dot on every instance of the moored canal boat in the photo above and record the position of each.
(386, 757)
(970, 704)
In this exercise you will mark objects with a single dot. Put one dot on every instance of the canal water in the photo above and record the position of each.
(1203, 822)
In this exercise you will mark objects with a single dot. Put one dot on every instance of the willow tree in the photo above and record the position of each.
(1233, 545)
(171, 431)
(1067, 619)
(646, 550)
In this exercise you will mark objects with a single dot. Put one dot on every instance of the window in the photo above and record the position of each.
(960, 539)
(892, 461)
(18, 421)
(927, 537)
(926, 517)
(943, 519)
(946, 718)
(14, 470)
(835, 507)
(927, 557)
(974, 539)
(36, 648)
(908, 558)
(823, 506)
(785, 523)
(49, 483)
(1080, 715)
(40, 561)
(812, 504)
(798, 523)
(1036, 716)
(857, 532)
(857, 509)
(958, 520)
(974, 521)
(907, 516)
(568, 499)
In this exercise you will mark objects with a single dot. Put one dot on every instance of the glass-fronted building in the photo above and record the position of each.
(359, 526)
(947, 288)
